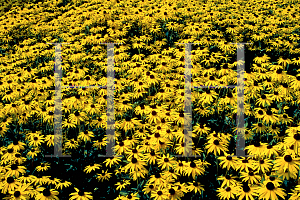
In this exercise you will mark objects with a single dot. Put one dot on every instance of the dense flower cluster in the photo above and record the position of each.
(149, 99)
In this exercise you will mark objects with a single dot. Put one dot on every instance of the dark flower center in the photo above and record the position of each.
(288, 158)
(166, 160)
(269, 112)
(228, 189)
(46, 192)
(17, 194)
(172, 191)
(229, 158)
(297, 136)
(157, 135)
(14, 167)
(227, 177)
(270, 186)
(216, 142)
(245, 161)
(192, 165)
(10, 180)
(284, 116)
(35, 138)
(262, 161)
(81, 193)
(134, 160)
(246, 188)
(159, 193)
(151, 186)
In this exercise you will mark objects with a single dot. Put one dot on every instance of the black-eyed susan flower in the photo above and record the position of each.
(72, 144)
(43, 166)
(62, 184)
(228, 161)
(112, 161)
(15, 170)
(194, 168)
(91, 167)
(33, 152)
(287, 162)
(46, 194)
(104, 176)
(36, 140)
(17, 145)
(80, 194)
(151, 157)
(86, 136)
(135, 164)
(228, 180)
(195, 187)
(149, 188)
(9, 184)
(248, 192)
(216, 146)
(264, 165)
(227, 193)
(269, 191)
(122, 184)
(166, 162)
(19, 193)
(251, 177)
(160, 194)
(244, 164)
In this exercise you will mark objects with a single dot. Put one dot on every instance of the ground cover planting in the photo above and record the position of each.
(145, 94)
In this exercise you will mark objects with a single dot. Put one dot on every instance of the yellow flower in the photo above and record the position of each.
(269, 191)
(112, 161)
(62, 183)
(47, 194)
(15, 170)
(122, 184)
(194, 168)
(86, 136)
(43, 167)
(104, 176)
(19, 193)
(160, 194)
(166, 162)
(81, 195)
(227, 193)
(91, 167)
(195, 187)
(9, 184)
